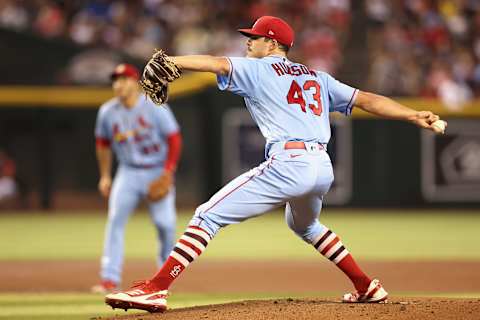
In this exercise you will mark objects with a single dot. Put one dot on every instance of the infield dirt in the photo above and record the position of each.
(284, 277)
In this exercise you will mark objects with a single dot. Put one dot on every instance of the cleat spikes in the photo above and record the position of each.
(143, 297)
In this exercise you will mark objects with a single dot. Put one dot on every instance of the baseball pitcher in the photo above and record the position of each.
(290, 103)
(146, 142)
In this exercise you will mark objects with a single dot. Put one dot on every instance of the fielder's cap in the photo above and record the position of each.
(125, 70)
(273, 28)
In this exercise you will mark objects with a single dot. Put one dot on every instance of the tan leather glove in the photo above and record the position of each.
(160, 187)
(159, 71)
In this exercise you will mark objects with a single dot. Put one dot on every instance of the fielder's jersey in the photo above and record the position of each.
(287, 100)
(137, 135)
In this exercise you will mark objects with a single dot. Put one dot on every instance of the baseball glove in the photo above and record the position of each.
(158, 72)
(160, 187)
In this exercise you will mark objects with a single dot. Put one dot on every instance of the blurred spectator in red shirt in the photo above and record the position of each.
(8, 185)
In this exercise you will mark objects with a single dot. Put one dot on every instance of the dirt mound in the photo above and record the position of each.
(320, 309)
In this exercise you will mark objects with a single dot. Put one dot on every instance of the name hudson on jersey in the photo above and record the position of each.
(294, 70)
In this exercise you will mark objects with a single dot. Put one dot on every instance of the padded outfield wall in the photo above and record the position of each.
(49, 132)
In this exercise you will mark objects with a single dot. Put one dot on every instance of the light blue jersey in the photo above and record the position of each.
(290, 103)
(137, 135)
(287, 100)
(138, 138)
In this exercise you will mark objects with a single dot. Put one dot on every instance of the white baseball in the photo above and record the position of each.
(440, 125)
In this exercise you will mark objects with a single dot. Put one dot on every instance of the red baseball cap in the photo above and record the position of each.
(273, 28)
(125, 70)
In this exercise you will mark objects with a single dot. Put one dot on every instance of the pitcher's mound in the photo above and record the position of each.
(322, 309)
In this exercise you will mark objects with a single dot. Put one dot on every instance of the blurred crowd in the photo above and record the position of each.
(415, 47)
(425, 48)
(182, 26)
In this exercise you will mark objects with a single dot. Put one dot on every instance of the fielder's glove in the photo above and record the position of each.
(158, 72)
(160, 187)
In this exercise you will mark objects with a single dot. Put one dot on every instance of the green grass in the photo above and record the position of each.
(370, 235)
(85, 306)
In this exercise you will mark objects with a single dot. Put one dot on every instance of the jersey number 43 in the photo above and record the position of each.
(295, 96)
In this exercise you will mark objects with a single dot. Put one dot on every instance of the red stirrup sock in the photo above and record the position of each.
(191, 244)
(329, 245)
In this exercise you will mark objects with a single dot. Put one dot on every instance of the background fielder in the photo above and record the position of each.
(290, 104)
(146, 141)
